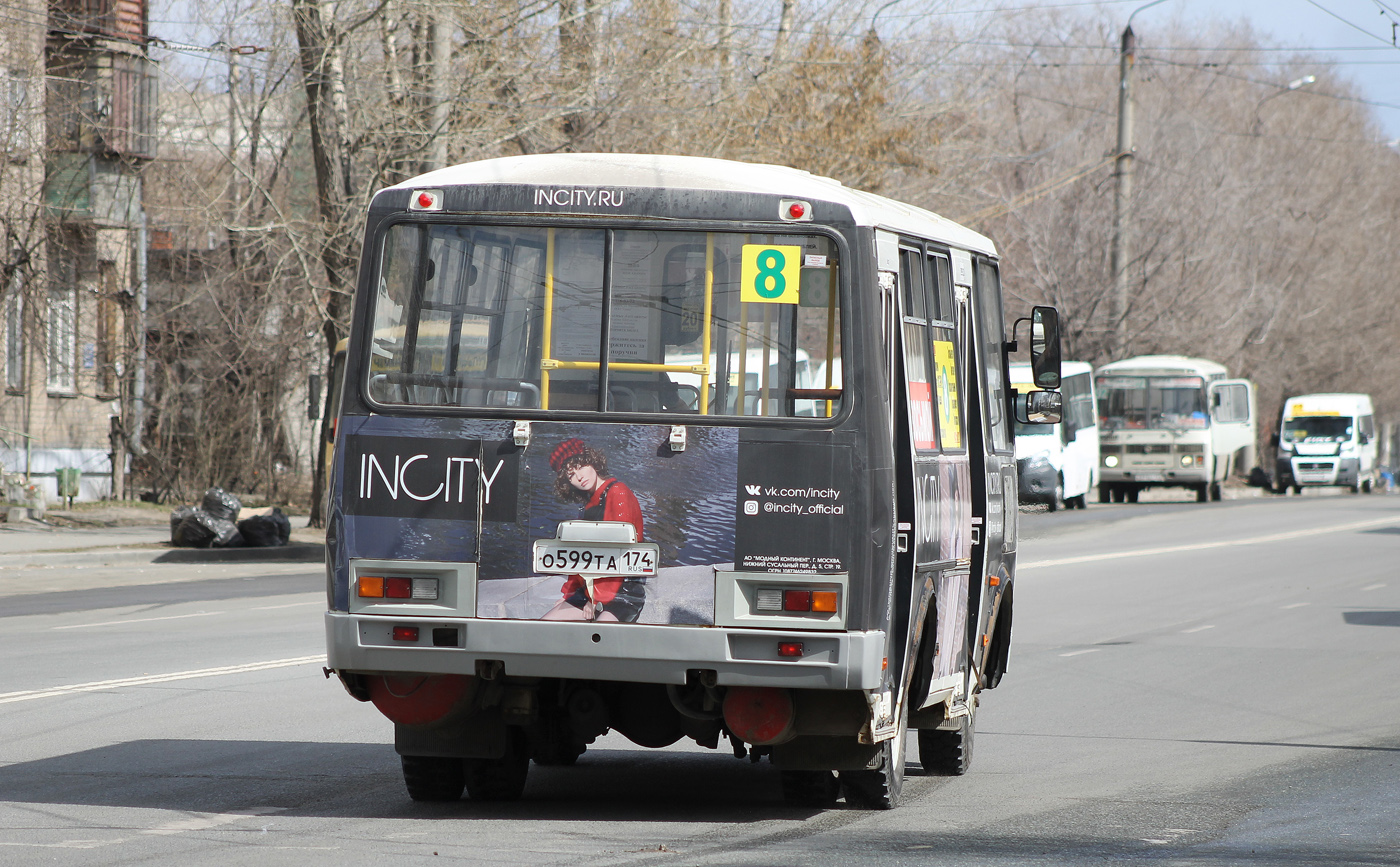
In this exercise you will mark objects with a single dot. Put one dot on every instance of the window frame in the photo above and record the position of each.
(845, 306)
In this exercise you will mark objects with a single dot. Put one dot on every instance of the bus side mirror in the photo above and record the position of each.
(1045, 347)
(1039, 407)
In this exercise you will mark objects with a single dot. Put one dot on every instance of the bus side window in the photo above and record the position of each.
(941, 300)
(992, 332)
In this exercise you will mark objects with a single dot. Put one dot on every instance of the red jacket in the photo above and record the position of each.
(618, 503)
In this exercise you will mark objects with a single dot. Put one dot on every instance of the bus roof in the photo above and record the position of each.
(1146, 365)
(1327, 404)
(651, 171)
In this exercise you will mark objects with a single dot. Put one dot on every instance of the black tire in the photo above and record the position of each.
(1079, 502)
(500, 779)
(878, 788)
(552, 740)
(1118, 493)
(1057, 498)
(945, 752)
(1215, 492)
(819, 789)
(1297, 489)
(1130, 495)
(433, 778)
(1366, 486)
(1105, 494)
(1202, 492)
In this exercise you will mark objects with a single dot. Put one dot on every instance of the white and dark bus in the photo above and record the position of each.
(676, 448)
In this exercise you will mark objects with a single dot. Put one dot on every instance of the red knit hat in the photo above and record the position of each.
(565, 451)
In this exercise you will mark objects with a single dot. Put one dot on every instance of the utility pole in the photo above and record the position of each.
(1122, 194)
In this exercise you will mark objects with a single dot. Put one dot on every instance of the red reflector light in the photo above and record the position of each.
(797, 600)
(796, 210)
(398, 588)
(405, 633)
(425, 200)
(790, 648)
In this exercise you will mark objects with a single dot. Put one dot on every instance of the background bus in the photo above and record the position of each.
(1058, 464)
(1327, 440)
(1171, 421)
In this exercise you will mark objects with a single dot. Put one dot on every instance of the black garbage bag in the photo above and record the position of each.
(196, 530)
(266, 531)
(176, 516)
(221, 504)
(226, 535)
(1259, 479)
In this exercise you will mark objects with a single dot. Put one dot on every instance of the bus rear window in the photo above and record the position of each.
(696, 323)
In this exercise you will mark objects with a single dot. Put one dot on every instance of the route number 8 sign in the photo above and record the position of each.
(770, 274)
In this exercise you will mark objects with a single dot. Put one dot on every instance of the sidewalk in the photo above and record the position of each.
(47, 543)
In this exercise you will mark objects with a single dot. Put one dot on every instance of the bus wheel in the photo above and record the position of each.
(1202, 492)
(1079, 502)
(1297, 489)
(1105, 494)
(878, 788)
(947, 753)
(500, 779)
(810, 788)
(1215, 492)
(433, 778)
(1366, 486)
(1130, 495)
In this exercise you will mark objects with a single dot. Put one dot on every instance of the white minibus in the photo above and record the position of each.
(1326, 439)
(1058, 464)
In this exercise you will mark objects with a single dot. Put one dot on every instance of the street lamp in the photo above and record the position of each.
(1291, 86)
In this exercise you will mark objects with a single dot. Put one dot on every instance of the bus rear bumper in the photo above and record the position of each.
(627, 652)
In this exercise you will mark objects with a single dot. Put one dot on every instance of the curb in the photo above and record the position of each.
(297, 552)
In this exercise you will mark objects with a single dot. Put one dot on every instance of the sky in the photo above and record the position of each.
(1355, 34)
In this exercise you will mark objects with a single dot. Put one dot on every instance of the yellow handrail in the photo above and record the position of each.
(705, 324)
(548, 317)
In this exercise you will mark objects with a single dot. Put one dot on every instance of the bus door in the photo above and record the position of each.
(1231, 423)
(994, 555)
(916, 467)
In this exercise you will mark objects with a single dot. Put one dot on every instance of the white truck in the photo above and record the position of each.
(1326, 440)
(1171, 421)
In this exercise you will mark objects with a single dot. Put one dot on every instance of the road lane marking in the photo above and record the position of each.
(95, 686)
(1204, 546)
(1294, 605)
(1197, 629)
(66, 844)
(1372, 587)
(137, 620)
(1078, 652)
(317, 602)
(205, 821)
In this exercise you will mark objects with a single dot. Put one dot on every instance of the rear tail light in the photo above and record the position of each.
(797, 600)
(397, 588)
(406, 633)
(790, 649)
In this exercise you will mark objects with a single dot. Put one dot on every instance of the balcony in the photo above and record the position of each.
(102, 103)
(108, 19)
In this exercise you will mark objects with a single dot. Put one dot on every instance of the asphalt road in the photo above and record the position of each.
(1189, 685)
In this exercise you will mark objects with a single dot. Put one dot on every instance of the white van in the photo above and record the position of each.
(1058, 464)
(1326, 439)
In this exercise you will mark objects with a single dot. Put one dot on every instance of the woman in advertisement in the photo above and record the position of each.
(581, 475)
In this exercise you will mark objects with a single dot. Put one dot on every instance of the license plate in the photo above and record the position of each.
(594, 558)
(1147, 477)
